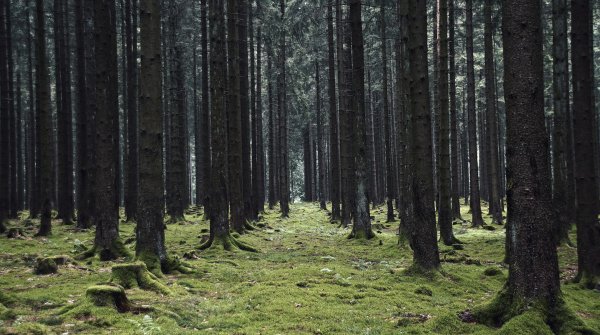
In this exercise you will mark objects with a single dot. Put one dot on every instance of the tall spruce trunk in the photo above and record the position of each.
(422, 230)
(150, 232)
(4, 122)
(334, 148)
(389, 161)
(43, 123)
(244, 108)
(320, 144)
(475, 203)
(106, 216)
(132, 112)
(32, 186)
(283, 127)
(492, 117)
(12, 151)
(588, 226)
(259, 194)
(455, 153)
(533, 264)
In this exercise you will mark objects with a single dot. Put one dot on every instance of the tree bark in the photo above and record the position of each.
(588, 227)
(4, 122)
(283, 130)
(334, 150)
(454, 141)
(132, 112)
(421, 230)
(475, 204)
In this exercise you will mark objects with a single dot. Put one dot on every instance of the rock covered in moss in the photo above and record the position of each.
(136, 274)
(44, 266)
(108, 296)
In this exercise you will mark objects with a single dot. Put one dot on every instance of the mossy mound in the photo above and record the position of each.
(491, 272)
(108, 296)
(136, 274)
(422, 290)
(45, 266)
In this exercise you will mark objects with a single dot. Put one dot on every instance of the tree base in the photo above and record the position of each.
(137, 275)
(116, 250)
(517, 316)
(228, 242)
(587, 281)
(108, 296)
(361, 234)
(45, 266)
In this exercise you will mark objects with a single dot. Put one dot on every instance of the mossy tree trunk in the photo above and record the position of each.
(150, 236)
(475, 203)
(43, 122)
(588, 226)
(422, 230)
(533, 264)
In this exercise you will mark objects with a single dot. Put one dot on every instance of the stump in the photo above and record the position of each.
(108, 296)
(45, 266)
(137, 275)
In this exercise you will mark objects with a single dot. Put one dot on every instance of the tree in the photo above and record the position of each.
(421, 230)
(284, 165)
(4, 118)
(12, 151)
(492, 118)
(387, 121)
(64, 119)
(533, 284)
(259, 175)
(203, 126)
(242, 16)
(320, 147)
(219, 206)
(234, 120)
(43, 122)
(588, 226)
(106, 215)
(455, 154)
(475, 203)
(444, 206)
(132, 112)
(333, 121)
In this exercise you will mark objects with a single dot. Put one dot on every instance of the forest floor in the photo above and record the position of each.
(307, 278)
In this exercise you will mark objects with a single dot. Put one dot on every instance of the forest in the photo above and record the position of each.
(300, 167)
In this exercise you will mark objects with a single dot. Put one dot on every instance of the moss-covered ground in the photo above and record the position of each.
(307, 278)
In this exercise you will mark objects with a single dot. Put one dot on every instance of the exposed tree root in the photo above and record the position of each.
(228, 242)
(137, 275)
(587, 280)
(515, 316)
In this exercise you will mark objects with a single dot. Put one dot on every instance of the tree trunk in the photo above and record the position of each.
(107, 242)
(533, 264)
(272, 136)
(320, 145)
(308, 175)
(492, 117)
(4, 120)
(387, 121)
(421, 230)
(588, 227)
(444, 206)
(260, 148)
(455, 153)
(13, 207)
(150, 235)
(283, 131)
(242, 15)
(32, 186)
(132, 112)
(475, 204)
(334, 150)
(43, 122)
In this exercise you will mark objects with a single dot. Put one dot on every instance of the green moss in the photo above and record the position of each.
(108, 296)
(137, 275)
(529, 323)
(492, 271)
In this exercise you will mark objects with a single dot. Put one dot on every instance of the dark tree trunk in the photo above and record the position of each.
(334, 150)
(588, 227)
(445, 184)
(234, 120)
(361, 227)
(132, 112)
(106, 216)
(90, 95)
(242, 15)
(13, 207)
(454, 141)
(259, 194)
(387, 122)
(475, 204)
(320, 145)
(272, 136)
(422, 230)
(492, 117)
(150, 232)
(283, 130)
(4, 119)
(44, 122)
(533, 265)
(64, 120)
(203, 149)
(253, 205)
(32, 185)
(176, 168)
(371, 144)
(308, 165)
